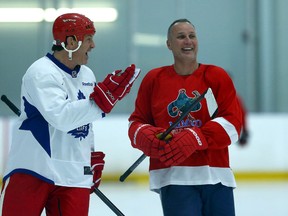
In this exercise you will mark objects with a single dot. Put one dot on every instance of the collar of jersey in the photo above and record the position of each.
(64, 67)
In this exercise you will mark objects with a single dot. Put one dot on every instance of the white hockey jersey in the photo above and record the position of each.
(53, 137)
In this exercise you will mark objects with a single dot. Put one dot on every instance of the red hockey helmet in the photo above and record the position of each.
(72, 24)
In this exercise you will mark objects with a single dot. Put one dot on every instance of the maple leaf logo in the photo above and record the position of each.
(80, 132)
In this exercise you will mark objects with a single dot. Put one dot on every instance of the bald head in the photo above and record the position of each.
(176, 22)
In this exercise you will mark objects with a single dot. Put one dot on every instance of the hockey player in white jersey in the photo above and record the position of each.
(52, 164)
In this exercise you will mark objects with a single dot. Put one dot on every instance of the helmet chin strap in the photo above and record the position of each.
(71, 51)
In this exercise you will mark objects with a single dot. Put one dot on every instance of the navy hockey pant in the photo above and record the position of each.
(198, 200)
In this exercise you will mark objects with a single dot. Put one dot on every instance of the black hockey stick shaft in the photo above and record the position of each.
(108, 202)
(10, 105)
(96, 190)
(163, 135)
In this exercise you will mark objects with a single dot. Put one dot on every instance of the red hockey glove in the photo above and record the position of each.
(114, 87)
(97, 165)
(243, 137)
(144, 137)
(128, 86)
(182, 146)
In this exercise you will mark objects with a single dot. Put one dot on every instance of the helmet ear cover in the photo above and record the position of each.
(72, 24)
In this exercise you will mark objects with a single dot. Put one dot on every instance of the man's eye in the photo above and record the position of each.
(181, 37)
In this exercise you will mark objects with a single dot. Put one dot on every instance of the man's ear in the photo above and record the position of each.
(71, 42)
(168, 44)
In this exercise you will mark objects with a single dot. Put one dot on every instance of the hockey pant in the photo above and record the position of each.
(202, 200)
(24, 194)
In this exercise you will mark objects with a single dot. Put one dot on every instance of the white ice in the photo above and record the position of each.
(251, 199)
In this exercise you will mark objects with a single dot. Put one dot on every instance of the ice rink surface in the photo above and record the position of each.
(251, 199)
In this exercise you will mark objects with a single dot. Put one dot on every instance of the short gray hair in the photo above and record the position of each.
(178, 21)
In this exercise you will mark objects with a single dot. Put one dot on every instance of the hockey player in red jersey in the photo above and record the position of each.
(191, 170)
(52, 163)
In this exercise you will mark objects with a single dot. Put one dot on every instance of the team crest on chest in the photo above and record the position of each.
(181, 104)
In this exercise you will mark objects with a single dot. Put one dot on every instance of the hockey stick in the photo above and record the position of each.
(96, 190)
(212, 108)
(10, 105)
(108, 202)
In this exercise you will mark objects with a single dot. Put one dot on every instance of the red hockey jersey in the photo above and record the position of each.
(161, 99)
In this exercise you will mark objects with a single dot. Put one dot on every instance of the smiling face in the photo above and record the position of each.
(182, 41)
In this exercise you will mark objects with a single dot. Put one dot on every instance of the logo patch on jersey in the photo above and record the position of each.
(81, 95)
(74, 74)
(80, 132)
(181, 104)
(87, 84)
